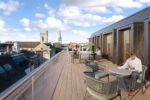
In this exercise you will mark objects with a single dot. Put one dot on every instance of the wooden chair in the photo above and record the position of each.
(100, 89)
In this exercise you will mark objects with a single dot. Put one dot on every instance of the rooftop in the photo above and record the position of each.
(58, 79)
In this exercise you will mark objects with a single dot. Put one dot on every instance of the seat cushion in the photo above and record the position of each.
(101, 96)
(99, 74)
(139, 80)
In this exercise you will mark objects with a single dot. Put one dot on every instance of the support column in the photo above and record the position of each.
(119, 47)
(147, 46)
(114, 46)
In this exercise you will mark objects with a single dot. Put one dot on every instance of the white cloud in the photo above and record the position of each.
(75, 16)
(39, 15)
(106, 3)
(144, 1)
(25, 23)
(129, 4)
(2, 25)
(118, 10)
(112, 19)
(9, 7)
(50, 23)
(80, 33)
(18, 35)
(101, 9)
(51, 11)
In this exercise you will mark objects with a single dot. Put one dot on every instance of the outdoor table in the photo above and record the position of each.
(84, 53)
(121, 73)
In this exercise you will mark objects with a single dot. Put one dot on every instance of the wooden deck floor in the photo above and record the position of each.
(63, 80)
(71, 84)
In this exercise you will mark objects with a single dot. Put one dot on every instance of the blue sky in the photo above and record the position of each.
(23, 20)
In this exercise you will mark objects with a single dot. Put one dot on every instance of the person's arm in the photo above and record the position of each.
(124, 66)
(139, 66)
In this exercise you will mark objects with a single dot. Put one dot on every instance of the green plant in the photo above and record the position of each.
(90, 45)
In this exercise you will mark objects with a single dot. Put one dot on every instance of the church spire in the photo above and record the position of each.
(60, 39)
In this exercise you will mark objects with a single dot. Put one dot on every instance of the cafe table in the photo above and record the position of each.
(121, 73)
(84, 53)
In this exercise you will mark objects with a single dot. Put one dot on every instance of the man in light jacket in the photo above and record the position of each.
(133, 64)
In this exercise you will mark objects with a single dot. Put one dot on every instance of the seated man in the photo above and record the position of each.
(133, 64)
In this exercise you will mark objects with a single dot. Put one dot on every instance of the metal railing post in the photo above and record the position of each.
(32, 87)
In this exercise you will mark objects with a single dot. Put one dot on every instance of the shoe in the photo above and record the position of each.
(131, 93)
(128, 89)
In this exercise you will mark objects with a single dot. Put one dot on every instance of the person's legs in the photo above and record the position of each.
(122, 82)
(134, 77)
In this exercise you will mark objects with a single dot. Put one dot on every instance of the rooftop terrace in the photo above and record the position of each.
(58, 79)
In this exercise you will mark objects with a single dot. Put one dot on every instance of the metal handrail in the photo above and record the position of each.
(29, 76)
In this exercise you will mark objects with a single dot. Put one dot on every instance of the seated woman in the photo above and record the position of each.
(98, 51)
(98, 54)
(133, 64)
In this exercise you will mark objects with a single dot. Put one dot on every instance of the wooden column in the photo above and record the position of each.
(132, 38)
(147, 46)
(119, 47)
(103, 43)
(114, 46)
(95, 42)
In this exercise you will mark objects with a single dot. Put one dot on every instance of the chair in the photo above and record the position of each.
(141, 80)
(94, 67)
(73, 57)
(100, 89)
(99, 72)
(98, 57)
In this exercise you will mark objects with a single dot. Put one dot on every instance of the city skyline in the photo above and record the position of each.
(24, 20)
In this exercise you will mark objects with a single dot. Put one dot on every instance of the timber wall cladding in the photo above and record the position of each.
(139, 41)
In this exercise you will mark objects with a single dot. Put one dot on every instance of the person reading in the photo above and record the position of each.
(133, 64)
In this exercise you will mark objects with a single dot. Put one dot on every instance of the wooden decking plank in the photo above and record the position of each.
(79, 87)
(74, 85)
(60, 84)
(64, 83)
(69, 81)
(81, 76)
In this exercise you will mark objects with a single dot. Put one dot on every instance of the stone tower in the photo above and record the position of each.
(44, 37)
(60, 39)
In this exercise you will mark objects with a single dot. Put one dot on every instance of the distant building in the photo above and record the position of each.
(73, 45)
(60, 38)
(44, 37)
(22, 61)
(28, 45)
(47, 50)
(4, 48)
(10, 72)
(16, 47)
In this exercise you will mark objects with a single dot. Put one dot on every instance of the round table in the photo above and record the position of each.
(122, 72)
(84, 53)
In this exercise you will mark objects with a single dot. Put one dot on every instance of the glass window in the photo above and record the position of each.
(8, 67)
(1, 70)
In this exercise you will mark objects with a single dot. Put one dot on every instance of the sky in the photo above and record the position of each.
(24, 20)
